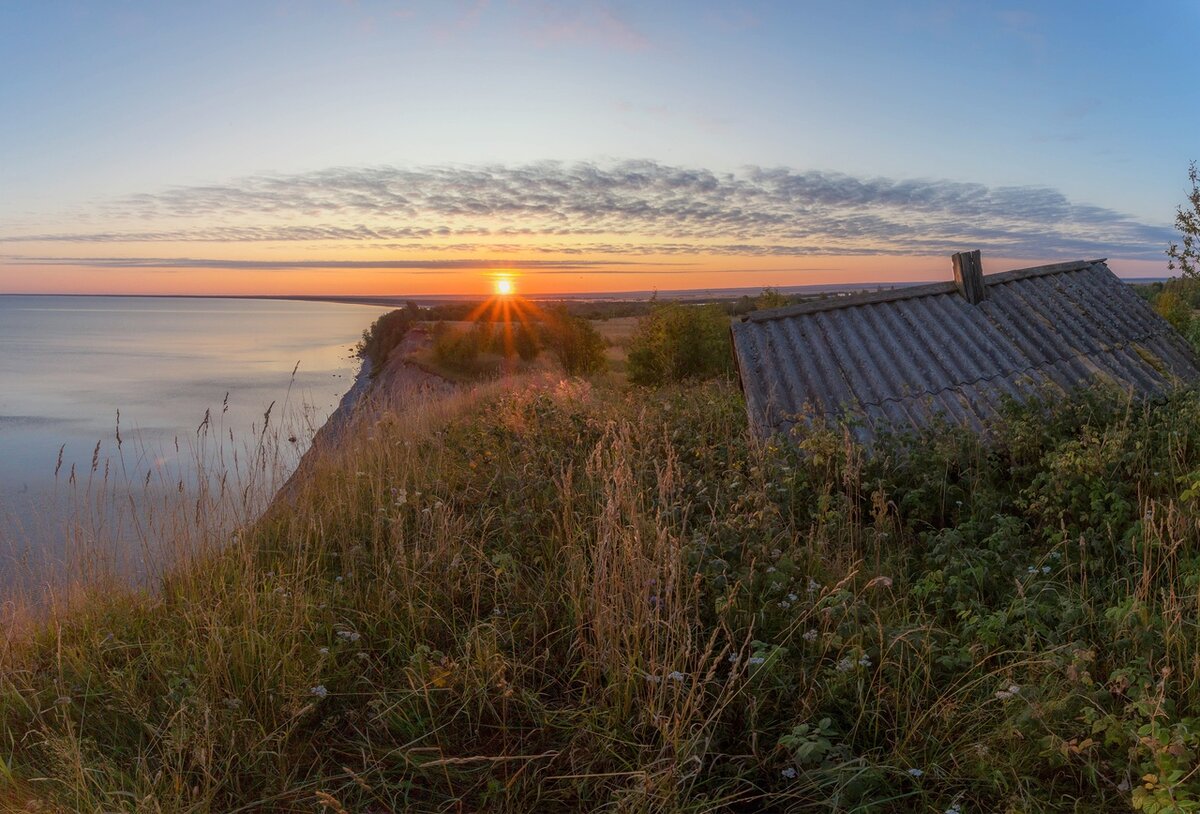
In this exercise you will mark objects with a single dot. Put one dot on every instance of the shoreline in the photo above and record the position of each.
(395, 386)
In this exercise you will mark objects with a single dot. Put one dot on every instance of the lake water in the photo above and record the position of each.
(69, 364)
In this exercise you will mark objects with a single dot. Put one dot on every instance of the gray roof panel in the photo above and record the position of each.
(903, 358)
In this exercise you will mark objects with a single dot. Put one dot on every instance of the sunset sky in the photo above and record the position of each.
(392, 148)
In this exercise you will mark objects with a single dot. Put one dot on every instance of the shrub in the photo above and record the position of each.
(676, 342)
(576, 344)
(385, 334)
(459, 350)
(525, 342)
(1175, 309)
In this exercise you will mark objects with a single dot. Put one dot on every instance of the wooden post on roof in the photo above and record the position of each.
(968, 276)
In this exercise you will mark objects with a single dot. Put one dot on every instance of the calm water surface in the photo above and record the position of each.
(69, 364)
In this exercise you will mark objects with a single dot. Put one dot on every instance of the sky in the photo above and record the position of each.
(341, 147)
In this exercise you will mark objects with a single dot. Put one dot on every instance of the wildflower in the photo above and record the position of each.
(754, 661)
(771, 570)
(915, 772)
(653, 679)
(324, 651)
(62, 700)
(339, 579)
(792, 597)
(1045, 569)
(785, 604)
(810, 635)
(401, 497)
(1031, 569)
(865, 661)
(349, 635)
(845, 665)
(497, 611)
(813, 586)
(789, 773)
(319, 691)
(676, 676)
(1012, 690)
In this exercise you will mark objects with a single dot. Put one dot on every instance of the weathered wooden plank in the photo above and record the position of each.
(968, 276)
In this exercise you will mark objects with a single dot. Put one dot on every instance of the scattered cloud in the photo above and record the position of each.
(591, 22)
(631, 208)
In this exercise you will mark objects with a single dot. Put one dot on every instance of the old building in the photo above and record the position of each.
(898, 359)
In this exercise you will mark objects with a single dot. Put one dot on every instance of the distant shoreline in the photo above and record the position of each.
(398, 300)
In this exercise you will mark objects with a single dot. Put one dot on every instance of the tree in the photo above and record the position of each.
(676, 342)
(574, 341)
(1186, 257)
(772, 298)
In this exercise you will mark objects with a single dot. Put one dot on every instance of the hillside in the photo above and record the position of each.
(548, 594)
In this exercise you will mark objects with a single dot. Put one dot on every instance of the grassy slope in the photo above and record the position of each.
(555, 596)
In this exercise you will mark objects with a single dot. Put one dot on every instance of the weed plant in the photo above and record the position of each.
(549, 596)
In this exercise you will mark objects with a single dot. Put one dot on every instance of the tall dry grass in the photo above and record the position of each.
(543, 595)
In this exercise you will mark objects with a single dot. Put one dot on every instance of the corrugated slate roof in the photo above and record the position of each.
(901, 358)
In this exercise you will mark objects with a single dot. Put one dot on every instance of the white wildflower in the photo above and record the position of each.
(1004, 695)
(676, 676)
(789, 773)
(865, 661)
(785, 604)
(810, 635)
(771, 570)
(653, 679)
(792, 597)
(1045, 569)
(813, 586)
(401, 497)
(319, 691)
(754, 661)
(324, 651)
(349, 635)
(916, 772)
(845, 665)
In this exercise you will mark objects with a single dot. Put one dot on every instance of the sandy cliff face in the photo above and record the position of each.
(399, 384)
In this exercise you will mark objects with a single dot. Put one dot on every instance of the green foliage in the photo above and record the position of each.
(385, 334)
(772, 298)
(526, 342)
(1185, 256)
(1175, 309)
(677, 342)
(575, 342)
(570, 597)
(459, 350)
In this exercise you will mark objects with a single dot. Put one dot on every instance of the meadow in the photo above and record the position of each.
(554, 593)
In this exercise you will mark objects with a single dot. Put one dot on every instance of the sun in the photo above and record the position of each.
(504, 287)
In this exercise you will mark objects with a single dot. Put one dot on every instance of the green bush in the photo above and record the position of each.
(677, 342)
(385, 334)
(525, 342)
(576, 344)
(460, 350)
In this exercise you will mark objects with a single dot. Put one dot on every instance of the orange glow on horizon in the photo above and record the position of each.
(505, 287)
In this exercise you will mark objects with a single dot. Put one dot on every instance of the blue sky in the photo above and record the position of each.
(120, 116)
